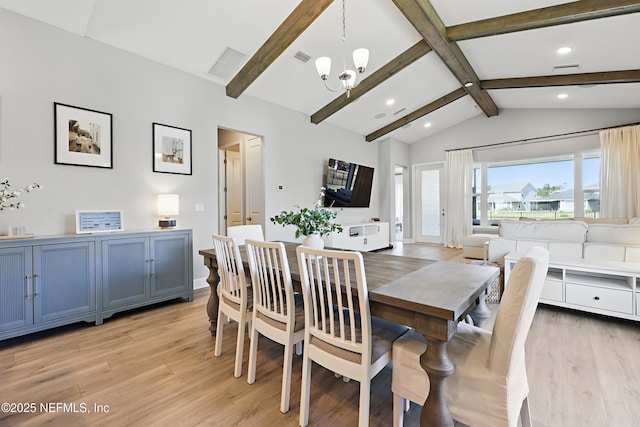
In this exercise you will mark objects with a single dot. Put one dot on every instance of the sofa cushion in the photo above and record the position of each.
(499, 247)
(604, 252)
(632, 254)
(602, 220)
(558, 230)
(614, 233)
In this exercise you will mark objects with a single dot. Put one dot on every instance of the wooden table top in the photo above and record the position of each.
(412, 284)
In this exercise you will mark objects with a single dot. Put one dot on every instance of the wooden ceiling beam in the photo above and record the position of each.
(422, 15)
(567, 13)
(385, 72)
(421, 112)
(606, 77)
(298, 21)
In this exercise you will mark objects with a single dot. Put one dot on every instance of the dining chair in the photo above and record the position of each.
(235, 297)
(489, 386)
(278, 312)
(240, 233)
(340, 333)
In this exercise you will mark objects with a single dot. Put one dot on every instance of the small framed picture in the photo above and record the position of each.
(82, 137)
(171, 149)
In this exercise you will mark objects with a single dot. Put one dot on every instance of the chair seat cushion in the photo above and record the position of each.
(383, 334)
(299, 316)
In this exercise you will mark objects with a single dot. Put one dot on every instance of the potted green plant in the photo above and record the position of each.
(313, 223)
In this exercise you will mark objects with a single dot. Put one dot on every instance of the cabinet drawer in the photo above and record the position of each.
(604, 299)
(552, 290)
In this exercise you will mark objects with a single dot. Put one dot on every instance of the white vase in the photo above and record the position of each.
(313, 241)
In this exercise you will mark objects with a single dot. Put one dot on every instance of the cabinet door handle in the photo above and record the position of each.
(35, 286)
(597, 298)
(28, 278)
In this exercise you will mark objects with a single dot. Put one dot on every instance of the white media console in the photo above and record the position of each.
(360, 237)
(605, 287)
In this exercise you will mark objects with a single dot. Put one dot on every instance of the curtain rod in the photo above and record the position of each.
(539, 138)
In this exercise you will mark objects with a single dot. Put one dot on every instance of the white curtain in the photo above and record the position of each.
(620, 172)
(459, 179)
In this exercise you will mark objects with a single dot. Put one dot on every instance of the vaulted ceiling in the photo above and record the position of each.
(441, 61)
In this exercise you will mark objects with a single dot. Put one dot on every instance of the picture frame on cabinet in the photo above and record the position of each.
(171, 149)
(83, 137)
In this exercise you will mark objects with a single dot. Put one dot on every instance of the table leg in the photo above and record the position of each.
(212, 304)
(482, 311)
(435, 361)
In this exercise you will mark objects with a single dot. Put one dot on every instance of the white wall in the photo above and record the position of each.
(42, 65)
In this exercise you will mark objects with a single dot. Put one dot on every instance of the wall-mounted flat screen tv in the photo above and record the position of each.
(347, 185)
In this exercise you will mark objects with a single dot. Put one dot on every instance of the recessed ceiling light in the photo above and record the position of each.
(427, 125)
(390, 101)
(563, 96)
(468, 84)
(563, 50)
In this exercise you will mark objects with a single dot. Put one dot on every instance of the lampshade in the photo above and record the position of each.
(350, 80)
(168, 204)
(360, 59)
(323, 65)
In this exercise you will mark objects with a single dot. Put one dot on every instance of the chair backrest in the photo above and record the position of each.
(516, 311)
(233, 285)
(243, 232)
(336, 301)
(271, 280)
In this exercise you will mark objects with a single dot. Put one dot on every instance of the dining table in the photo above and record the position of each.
(429, 296)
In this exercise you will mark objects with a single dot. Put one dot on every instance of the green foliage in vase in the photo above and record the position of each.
(316, 220)
(8, 196)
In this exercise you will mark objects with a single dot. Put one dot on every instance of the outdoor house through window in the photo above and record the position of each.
(550, 188)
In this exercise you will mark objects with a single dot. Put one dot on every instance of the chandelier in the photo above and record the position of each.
(347, 77)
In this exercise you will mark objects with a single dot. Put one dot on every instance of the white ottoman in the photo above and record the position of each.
(476, 245)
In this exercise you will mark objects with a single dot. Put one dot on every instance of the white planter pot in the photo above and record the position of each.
(313, 241)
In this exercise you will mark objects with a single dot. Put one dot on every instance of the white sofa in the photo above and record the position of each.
(594, 266)
(605, 240)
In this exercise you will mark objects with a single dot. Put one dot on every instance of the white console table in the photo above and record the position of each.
(360, 237)
(605, 287)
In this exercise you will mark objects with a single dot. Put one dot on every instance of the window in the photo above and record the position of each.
(591, 181)
(537, 189)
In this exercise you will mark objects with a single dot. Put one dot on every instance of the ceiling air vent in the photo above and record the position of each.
(302, 57)
(399, 111)
(227, 64)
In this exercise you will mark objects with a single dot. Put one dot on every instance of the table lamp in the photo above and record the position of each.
(168, 204)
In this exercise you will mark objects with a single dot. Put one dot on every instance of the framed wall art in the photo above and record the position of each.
(171, 149)
(83, 137)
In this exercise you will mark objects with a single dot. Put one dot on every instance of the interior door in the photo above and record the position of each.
(254, 200)
(429, 181)
(234, 188)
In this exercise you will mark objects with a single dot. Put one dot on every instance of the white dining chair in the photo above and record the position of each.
(278, 312)
(235, 297)
(240, 233)
(340, 333)
(489, 387)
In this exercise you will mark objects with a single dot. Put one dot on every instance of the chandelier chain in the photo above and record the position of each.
(344, 34)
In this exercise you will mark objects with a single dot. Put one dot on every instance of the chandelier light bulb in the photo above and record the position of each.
(323, 65)
(360, 59)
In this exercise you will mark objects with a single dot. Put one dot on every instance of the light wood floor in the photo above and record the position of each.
(155, 366)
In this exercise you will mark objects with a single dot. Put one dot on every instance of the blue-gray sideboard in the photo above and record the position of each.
(52, 281)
